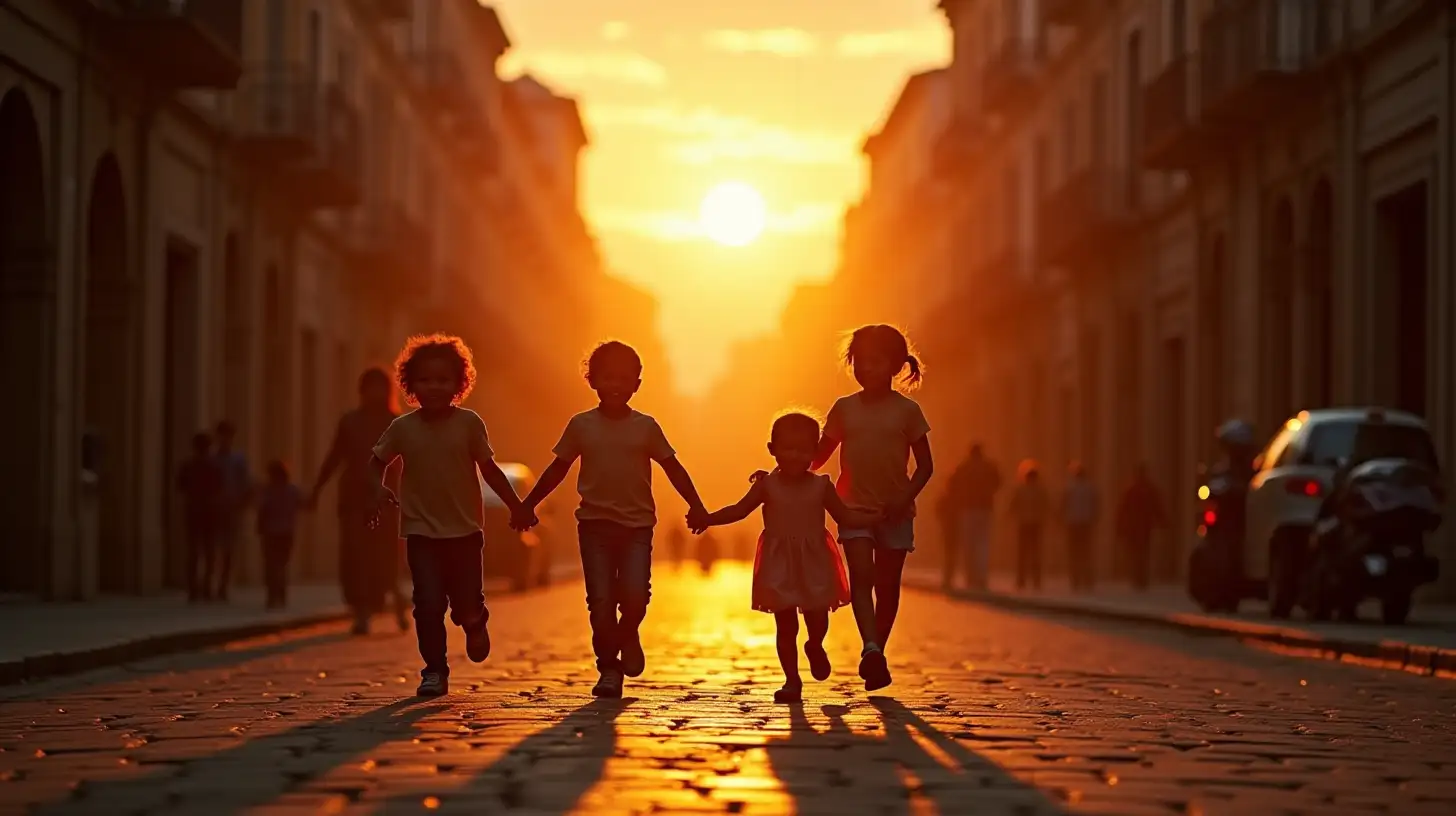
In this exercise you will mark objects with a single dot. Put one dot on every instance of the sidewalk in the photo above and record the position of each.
(46, 639)
(1427, 644)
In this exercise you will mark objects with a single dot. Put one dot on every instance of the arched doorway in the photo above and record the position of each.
(109, 302)
(1318, 297)
(25, 281)
(1277, 324)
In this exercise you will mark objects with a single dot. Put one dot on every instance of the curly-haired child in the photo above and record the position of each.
(441, 445)
(617, 446)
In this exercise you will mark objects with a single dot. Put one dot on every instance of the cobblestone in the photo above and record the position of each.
(990, 713)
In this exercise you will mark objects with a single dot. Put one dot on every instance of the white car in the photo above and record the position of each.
(1296, 471)
(522, 558)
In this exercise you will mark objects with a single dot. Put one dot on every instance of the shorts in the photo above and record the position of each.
(889, 535)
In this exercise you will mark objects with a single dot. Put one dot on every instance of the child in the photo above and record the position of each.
(200, 481)
(617, 446)
(278, 506)
(237, 489)
(440, 445)
(1030, 505)
(879, 428)
(797, 568)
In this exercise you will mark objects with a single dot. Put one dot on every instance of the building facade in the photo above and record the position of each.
(226, 210)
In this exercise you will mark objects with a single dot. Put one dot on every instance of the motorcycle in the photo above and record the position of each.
(1369, 540)
(1215, 567)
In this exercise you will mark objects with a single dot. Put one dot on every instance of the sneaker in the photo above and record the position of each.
(790, 693)
(634, 660)
(874, 669)
(609, 684)
(818, 660)
(477, 642)
(433, 684)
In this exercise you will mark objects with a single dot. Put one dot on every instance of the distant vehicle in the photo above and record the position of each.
(1295, 473)
(1216, 579)
(524, 559)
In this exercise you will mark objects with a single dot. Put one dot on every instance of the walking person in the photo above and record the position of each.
(442, 447)
(279, 503)
(617, 446)
(199, 480)
(797, 569)
(1139, 513)
(1030, 506)
(1080, 509)
(237, 493)
(971, 496)
(368, 556)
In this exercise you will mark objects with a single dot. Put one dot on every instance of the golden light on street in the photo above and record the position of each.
(733, 214)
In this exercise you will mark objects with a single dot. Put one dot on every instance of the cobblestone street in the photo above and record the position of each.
(990, 713)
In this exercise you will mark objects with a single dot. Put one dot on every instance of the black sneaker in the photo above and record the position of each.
(609, 684)
(477, 642)
(790, 693)
(874, 669)
(818, 660)
(634, 660)
(433, 684)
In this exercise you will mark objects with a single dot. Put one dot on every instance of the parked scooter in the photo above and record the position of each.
(1369, 540)
(1215, 568)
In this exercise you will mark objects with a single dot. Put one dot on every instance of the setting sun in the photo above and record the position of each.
(733, 214)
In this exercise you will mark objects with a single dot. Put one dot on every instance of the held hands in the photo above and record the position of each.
(523, 518)
(384, 498)
(699, 520)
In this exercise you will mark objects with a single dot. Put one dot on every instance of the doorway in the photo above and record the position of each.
(1403, 243)
(25, 267)
(1167, 559)
(180, 419)
(109, 301)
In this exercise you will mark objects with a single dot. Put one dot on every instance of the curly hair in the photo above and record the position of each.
(424, 347)
(795, 421)
(892, 343)
(611, 350)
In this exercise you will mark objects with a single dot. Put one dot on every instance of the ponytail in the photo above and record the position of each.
(915, 375)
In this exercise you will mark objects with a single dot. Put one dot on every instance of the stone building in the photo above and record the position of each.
(227, 209)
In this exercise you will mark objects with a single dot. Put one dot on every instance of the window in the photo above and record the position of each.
(315, 48)
(1134, 87)
(1329, 442)
(1099, 119)
(277, 31)
(1178, 29)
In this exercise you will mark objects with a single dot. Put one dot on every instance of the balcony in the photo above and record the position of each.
(393, 250)
(308, 137)
(1171, 136)
(1010, 75)
(1090, 211)
(180, 44)
(1257, 54)
(389, 11)
(441, 80)
(1067, 12)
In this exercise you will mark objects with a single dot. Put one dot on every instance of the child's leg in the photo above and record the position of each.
(598, 572)
(285, 554)
(427, 570)
(466, 591)
(633, 557)
(859, 557)
(268, 544)
(817, 622)
(786, 624)
(195, 581)
(889, 565)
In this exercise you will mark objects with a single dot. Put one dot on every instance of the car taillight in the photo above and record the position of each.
(1210, 517)
(1308, 488)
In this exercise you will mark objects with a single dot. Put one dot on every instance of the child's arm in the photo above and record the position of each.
(924, 467)
(496, 480)
(845, 516)
(330, 464)
(827, 446)
(683, 484)
(549, 480)
(734, 513)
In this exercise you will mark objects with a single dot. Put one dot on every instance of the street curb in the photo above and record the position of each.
(1391, 654)
(42, 667)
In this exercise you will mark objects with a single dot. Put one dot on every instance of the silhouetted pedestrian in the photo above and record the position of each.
(970, 496)
(237, 493)
(1139, 513)
(199, 480)
(1080, 508)
(1030, 506)
(279, 503)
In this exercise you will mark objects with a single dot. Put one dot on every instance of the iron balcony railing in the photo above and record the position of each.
(183, 43)
(1169, 114)
(1251, 46)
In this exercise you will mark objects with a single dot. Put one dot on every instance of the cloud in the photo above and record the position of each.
(927, 41)
(671, 226)
(706, 135)
(616, 31)
(626, 67)
(783, 42)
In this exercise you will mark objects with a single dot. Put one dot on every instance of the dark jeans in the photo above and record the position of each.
(616, 565)
(277, 549)
(1028, 556)
(446, 572)
(1079, 556)
(201, 538)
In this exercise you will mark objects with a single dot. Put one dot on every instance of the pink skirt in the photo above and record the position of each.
(799, 574)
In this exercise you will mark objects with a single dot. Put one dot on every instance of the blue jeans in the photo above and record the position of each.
(446, 573)
(616, 565)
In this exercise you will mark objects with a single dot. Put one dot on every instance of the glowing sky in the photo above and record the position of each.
(680, 95)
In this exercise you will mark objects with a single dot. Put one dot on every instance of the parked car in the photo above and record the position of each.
(1297, 470)
(524, 559)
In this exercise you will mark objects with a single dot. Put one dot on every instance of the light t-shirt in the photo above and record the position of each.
(875, 438)
(439, 491)
(616, 455)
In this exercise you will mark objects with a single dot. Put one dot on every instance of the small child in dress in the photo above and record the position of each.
(278, 506)
(798, 569)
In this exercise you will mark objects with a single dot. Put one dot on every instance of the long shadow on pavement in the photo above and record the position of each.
(547, 772)
(842, 771)
(255, 772)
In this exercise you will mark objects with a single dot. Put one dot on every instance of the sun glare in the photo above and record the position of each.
(733, 214)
